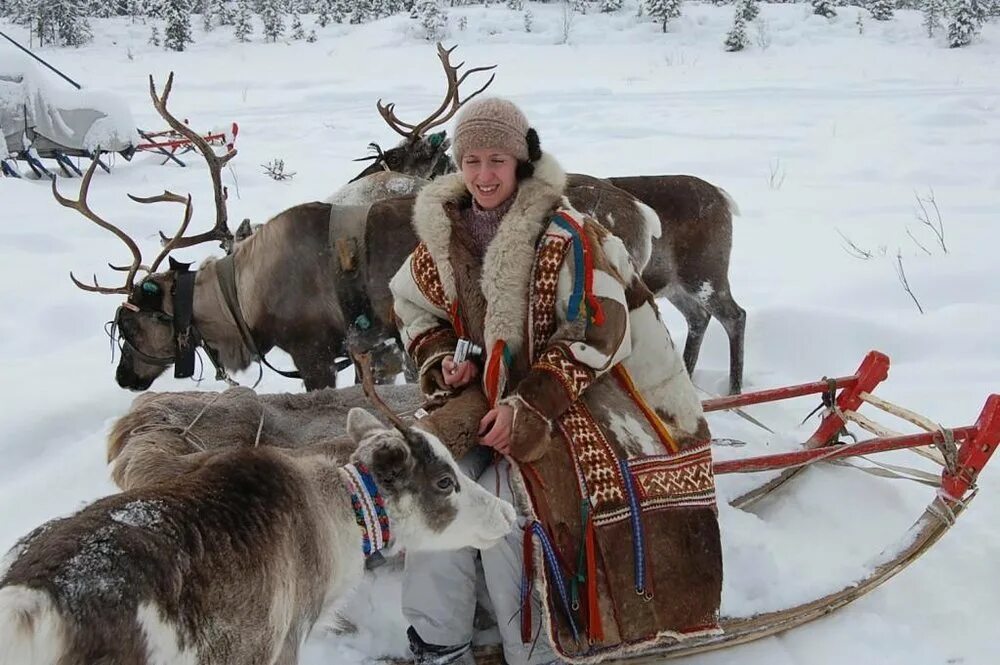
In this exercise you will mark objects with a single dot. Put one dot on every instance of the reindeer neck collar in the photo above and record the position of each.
(369, 509)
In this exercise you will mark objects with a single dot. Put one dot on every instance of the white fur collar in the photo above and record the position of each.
(509, 257)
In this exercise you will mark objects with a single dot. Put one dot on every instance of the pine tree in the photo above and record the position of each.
(433, 19)
(748, 9)
(339, 10)
(737, 40)
(324, 11)
(881, 10)
(298, 32)
(207, 16)
(243, 21)
(933, 12)
(608, 6)
(272, 14)
(964, 23)
(663, 10)
(71, 26)
(823, 8)
(224, 11)
(154, 36)
(361, 11)
(177, 33)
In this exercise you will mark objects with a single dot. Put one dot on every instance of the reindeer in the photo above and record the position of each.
(689, 259)
(313, 281)
(234, 559)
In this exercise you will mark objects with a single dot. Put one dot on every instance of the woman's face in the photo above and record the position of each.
(489, 176)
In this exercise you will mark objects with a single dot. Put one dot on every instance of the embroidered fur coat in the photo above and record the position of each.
(608, 432)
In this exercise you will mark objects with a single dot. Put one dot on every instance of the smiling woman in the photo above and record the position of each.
(551, 297)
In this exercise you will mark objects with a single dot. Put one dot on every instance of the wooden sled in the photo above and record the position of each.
(962, 452)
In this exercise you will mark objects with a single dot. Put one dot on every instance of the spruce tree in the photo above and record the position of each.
(177, 33)
(339, 10)
(748, 9)
(243, 21)
(608, 6)
(207, 16)
(823, 8)
(272, 15)
(71, 26)
(433, 19)
(154, 36)
(964, 23)
(223, 10)
(881, 10)
(737, 40)
(298, 32)
(663, 10)
(933, 12)
(324, 11)
(516, 5)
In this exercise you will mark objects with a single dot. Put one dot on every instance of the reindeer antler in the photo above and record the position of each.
(362, 361)
(221, 230)
(169, 197)
(81, 206)
(443, 113)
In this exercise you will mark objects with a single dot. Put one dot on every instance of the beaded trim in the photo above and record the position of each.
(369, 509)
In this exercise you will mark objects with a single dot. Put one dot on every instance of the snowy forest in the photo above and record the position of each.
(67, 22)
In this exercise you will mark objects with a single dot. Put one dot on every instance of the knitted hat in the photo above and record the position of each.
(493, 122)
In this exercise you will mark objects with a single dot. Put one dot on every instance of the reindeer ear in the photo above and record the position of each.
(360, 424)
(390, 460)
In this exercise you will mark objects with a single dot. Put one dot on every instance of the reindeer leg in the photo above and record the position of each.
(317, 363)
(697, 318)
(733, 318)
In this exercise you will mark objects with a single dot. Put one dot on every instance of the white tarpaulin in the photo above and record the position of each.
(35, 112)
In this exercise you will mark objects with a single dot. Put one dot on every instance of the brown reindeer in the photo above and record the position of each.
(312, 281)
(689, 259)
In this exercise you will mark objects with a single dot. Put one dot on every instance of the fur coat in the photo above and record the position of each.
(608, 432)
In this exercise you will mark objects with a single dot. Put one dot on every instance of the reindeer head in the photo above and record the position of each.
(434, 506)
(419, 153)
(154, 320)
(431, 503)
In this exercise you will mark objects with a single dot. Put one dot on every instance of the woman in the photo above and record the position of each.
(598, 432)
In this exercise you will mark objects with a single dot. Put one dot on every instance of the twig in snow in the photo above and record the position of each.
(777, 176)
(901, 274)
(917, 242)
(854, 250)
(936, 225)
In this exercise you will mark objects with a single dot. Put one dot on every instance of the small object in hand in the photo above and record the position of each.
(465, 348)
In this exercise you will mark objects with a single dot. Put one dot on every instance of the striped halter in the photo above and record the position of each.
(369, 509)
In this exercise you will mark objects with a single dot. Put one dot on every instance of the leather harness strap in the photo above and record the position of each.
(226, 274)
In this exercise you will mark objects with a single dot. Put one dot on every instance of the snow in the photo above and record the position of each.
(823, 136)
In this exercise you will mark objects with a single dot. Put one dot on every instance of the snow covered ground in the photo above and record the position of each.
(820, 133)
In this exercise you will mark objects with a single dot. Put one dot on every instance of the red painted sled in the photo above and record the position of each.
(961, 452)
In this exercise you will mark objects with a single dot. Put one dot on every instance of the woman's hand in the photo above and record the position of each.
(497, 427)
(457, 375)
